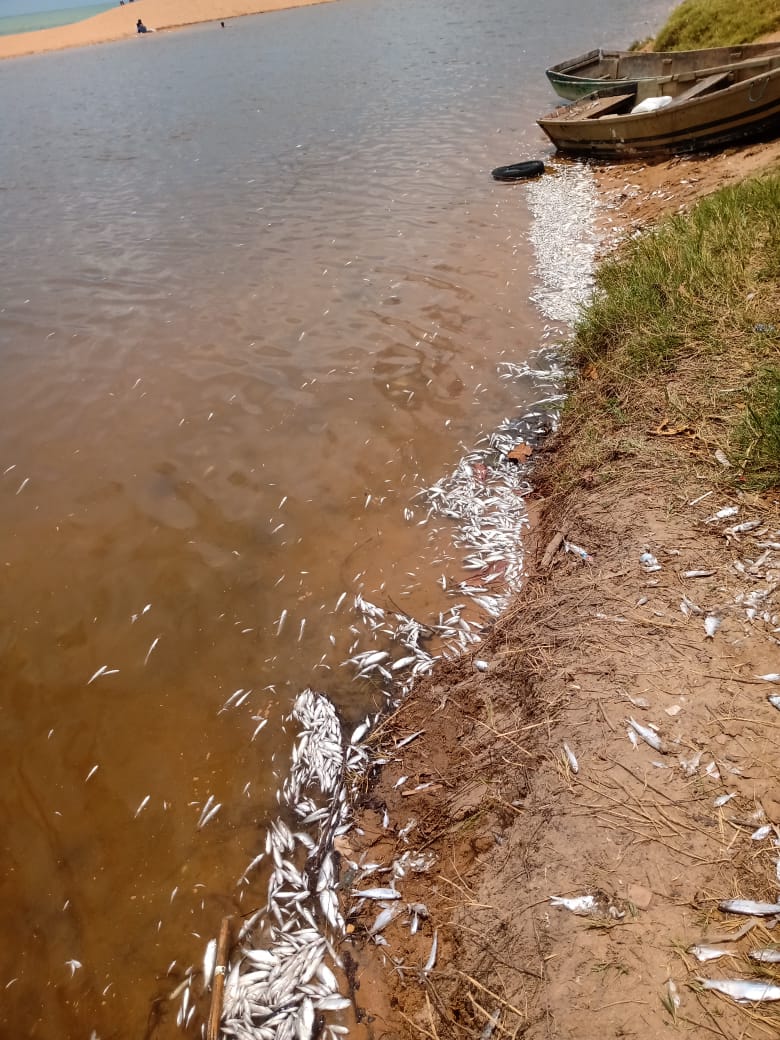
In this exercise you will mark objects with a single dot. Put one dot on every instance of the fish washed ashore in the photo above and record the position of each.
(560, 829)
(590, 804)
(577, 810)
(289, 970)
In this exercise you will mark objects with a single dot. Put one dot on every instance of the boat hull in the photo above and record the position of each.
(577, 77)
(742, 112)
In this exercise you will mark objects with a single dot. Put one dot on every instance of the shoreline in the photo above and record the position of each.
(119, 23)
(528, 787)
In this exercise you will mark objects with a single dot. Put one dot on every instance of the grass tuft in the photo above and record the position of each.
(717, 23)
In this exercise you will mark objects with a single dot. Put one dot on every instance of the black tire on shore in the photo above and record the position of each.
(518, 171)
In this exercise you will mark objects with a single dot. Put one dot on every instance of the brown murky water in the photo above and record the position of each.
(256, 286)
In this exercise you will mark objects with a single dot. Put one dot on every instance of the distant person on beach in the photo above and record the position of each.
(140, 27)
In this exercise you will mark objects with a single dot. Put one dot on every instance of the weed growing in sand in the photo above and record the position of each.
(717, 23)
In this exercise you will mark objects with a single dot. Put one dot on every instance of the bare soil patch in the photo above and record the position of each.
(499, 818)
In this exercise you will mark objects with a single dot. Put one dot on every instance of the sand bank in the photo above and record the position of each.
(119, 24)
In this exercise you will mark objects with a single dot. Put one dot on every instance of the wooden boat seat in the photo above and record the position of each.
(607, 105)
(704, 86)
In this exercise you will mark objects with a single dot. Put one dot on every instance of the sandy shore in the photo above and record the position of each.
(119, 24)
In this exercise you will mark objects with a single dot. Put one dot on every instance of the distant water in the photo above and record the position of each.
(19, 23)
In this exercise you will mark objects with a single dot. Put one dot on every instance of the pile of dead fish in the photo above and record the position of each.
(280, 981)
(565, 240)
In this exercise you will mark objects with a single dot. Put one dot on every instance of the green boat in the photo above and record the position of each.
(597, 69)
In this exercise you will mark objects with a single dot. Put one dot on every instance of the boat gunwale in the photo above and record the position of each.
(754, 121)
(573, 87)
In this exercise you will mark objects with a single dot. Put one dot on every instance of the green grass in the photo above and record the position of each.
(717, 23)
(695, 285)
(757, 437)
(680, 347)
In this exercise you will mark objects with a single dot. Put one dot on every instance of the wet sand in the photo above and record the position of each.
(119, 24)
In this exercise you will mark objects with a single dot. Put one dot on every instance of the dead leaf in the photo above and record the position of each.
(591, 372)
(665, 429)
(521, 452)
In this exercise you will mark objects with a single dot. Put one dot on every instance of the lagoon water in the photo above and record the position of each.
(257, 283)
(22, 23)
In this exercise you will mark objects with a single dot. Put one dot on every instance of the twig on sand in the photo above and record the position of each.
(416, 1026)
(504, 1003)
(552, 547)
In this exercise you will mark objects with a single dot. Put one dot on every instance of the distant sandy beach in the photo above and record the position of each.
(119, 24)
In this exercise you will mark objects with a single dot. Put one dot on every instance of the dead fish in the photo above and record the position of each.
(371, 659)
(761, 833)
(744, 991)
(767, 955)
(103, 670)
(359, 732)
(709, 953)
(711, 625)
(206, 816)
(402, 662)
(697, 574)
(690, 765)
(378, 893)
(410, 738)
(571, 758)
(648, 735)
(383, 919)
(747, 525)
(688, 607)
(304, 1022)
(722, 514)
(332, 1003)
(722, 799)
(481, 666)
(429, 964)
(770, 677)
(155, 641)
(673, 995)
(774, 700)
(749, 907)
(649, 563)
(577, 905)
(209, 962)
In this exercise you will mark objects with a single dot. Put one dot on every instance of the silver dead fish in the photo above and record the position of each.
(744, 991)
(709, 953)
(648, 735)
(749, 907)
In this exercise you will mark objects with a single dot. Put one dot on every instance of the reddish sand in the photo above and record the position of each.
(119, 24)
